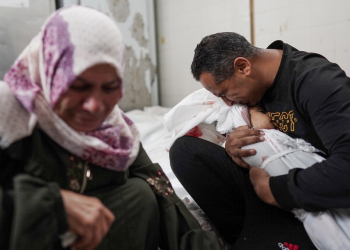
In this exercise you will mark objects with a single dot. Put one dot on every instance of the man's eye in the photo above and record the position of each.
(262, 111)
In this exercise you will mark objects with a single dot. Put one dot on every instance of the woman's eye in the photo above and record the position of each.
(79, 88)
(262, 111)
(111, 88)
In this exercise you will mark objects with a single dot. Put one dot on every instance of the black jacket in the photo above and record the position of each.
(310, 99)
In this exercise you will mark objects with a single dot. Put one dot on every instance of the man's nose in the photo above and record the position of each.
(227, 101)
(94, 104)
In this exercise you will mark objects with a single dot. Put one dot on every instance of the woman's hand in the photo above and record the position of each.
(87, 217)
(260, 180)
(240, 137)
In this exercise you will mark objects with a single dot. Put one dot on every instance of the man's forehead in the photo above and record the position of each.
(207, 80)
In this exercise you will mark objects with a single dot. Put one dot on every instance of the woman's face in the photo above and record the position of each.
(90, 98)
(260, 119)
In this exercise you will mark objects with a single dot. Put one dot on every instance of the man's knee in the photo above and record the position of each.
(185, 145)
(178, 145)
(179, 151)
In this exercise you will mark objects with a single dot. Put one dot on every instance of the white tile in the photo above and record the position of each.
(241, 25)
(341, 10)
(324, 37)
(263, 41)
(300, 39)
(343, 36)
(242, 6)
(298, 16)
(266, 23)
(270, 5)
(191, 86)
(170, 100)
(322, 12)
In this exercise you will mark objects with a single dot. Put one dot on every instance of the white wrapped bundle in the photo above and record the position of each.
(279, 153)
(199, 110)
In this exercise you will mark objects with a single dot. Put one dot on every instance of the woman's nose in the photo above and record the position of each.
(94, 104)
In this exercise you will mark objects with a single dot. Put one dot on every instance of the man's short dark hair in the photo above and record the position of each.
(216, 53)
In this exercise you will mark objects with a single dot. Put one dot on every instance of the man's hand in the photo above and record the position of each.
(87, 217)
(260, 180)
(239, 138)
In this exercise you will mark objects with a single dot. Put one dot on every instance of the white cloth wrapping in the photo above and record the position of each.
(278, 154)
(202, 108)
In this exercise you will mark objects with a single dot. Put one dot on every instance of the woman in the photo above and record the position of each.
(71, 161)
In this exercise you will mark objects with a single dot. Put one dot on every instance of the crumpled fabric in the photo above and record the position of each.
(200, 108)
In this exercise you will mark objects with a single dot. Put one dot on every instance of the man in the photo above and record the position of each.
(308, 97)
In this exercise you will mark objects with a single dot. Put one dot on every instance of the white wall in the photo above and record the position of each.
(321, 26)
(19, 23)
(181, 26)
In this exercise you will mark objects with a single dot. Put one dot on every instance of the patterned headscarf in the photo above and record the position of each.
(72, 40)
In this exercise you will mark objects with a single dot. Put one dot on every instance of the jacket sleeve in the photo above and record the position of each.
(324, 96)
(37, 208)
(29, 206)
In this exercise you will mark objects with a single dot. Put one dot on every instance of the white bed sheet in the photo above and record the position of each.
(155, 137)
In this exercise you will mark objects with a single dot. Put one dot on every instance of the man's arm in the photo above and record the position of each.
(323, 95)
(260, 180)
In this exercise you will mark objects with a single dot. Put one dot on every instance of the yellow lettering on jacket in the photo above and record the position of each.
(284, 121)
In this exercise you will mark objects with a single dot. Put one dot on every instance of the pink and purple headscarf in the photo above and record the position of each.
(72, 40)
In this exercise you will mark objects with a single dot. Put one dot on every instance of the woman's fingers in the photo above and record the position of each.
(93, 233)
(88, 217)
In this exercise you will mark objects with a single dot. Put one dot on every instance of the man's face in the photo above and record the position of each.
(239, 89)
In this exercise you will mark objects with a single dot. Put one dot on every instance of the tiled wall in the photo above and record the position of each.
(181, 26)
(321, 26)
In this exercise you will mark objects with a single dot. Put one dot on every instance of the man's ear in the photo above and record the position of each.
(242, 65)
